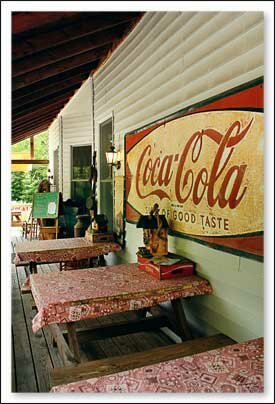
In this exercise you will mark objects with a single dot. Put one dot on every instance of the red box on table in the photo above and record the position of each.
(161, 270)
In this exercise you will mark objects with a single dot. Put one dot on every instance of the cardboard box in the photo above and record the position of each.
(168, 269)
(99, 237)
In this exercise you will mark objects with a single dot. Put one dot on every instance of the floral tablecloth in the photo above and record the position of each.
(69, 296)
(61, 250)
(237, 368)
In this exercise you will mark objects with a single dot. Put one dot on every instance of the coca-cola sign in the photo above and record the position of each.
(205, 170)
(199, 170)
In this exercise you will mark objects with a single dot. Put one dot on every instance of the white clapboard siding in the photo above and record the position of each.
(77, 131)
(170, 61)
(54, 143)
(80, 103)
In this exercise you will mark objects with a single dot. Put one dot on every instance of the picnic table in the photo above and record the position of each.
(237, 368)
(31, 253)
(71, 296)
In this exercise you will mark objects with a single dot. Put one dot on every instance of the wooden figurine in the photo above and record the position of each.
(155, 233)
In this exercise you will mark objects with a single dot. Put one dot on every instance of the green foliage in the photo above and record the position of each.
(17, 186)
(24, 184)
(40, 146)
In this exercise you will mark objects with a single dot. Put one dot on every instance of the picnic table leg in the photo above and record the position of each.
(73, 341)
(101, 261)
(64, 350)
(182, 324)
(33, 268)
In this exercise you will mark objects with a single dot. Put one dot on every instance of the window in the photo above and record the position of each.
(81, 162)
(106, 182)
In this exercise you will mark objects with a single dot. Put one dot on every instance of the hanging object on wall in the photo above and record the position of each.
(204, 167)
(119, 217)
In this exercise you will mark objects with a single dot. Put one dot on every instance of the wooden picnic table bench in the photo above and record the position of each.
(234, 368)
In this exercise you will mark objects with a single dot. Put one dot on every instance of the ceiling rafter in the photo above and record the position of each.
(33, 122)
(79, 72)
(26, 21)
(53, 53)
(59, 35)
(59, 67)
(39, 111)
(67, 50)
(38, 97)
(60, 95)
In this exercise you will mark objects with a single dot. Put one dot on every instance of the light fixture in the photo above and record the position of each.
(112, 157)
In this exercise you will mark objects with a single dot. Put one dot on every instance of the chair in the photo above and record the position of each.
(30, 227)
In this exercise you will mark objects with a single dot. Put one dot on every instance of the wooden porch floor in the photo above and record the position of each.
(33, 354)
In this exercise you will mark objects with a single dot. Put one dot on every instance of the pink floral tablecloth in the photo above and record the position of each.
(237, 368)
(69, 296)
(61, 250)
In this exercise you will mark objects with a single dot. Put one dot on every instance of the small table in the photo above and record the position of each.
(238, 368)
(71, 296)
(61, 250)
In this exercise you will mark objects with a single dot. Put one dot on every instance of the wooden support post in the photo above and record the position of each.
(101, 261)
(73, 341)
(33, 267)
(32, 147)
(63, 348)
(182, 324)
(56, 228)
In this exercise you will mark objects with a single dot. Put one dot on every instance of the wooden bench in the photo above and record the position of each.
(97, 368)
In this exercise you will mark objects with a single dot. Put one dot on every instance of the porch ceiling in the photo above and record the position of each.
(52, 54)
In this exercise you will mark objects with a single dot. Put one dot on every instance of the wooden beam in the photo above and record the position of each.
(24, 21)
(30, 161)
(33, 106)
(32, 147)
(32, 125)
(59, 67)
(124, 327)
(33, 121)
(106, 366)
(30, 131)
(39, 120)
(69, 49)
(36, 95)
(57, 36)
(36, 113)
(26, 134)
(42, 85)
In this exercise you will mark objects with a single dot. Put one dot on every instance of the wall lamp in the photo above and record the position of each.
(112, 157)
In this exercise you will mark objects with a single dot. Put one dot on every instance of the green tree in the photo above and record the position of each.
(24, 184)
(17, 186)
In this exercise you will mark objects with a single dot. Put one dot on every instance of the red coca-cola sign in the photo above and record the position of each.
(205, 170)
